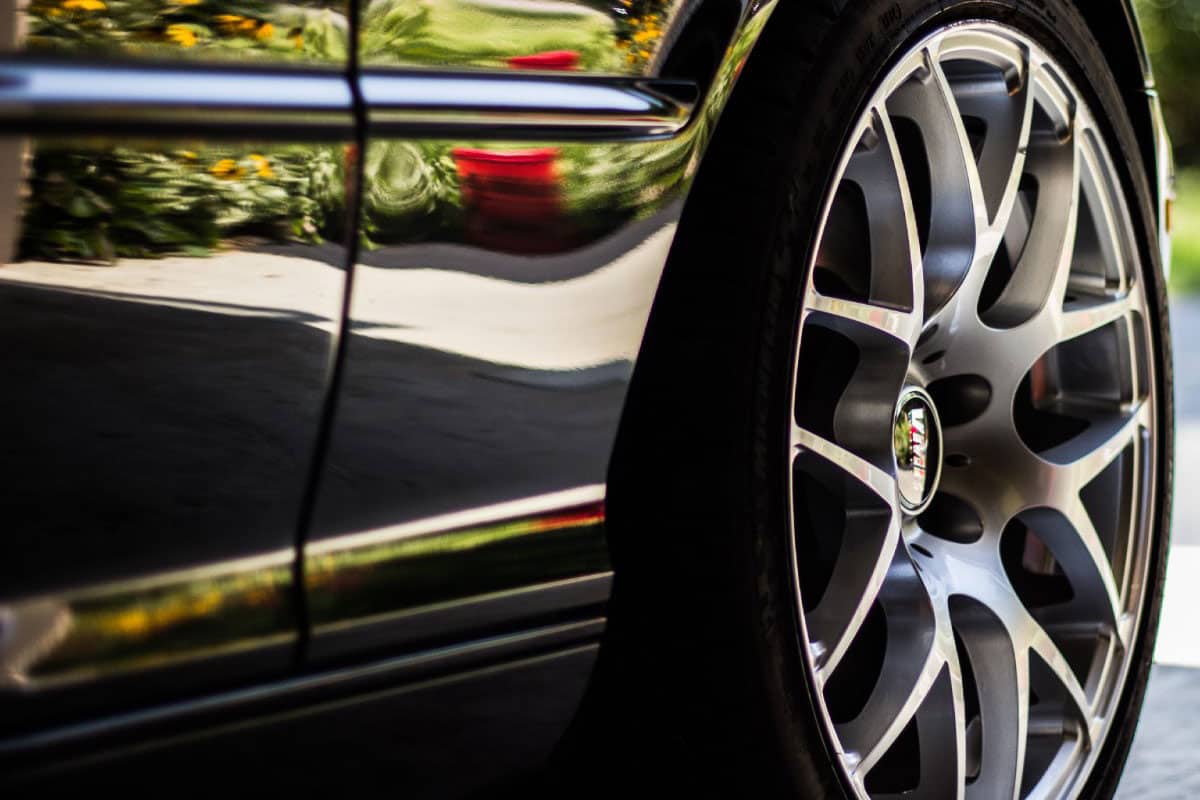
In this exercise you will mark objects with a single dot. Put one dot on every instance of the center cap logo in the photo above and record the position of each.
(917, 446)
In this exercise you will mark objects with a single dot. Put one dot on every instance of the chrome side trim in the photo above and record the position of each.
(46, 94)
(35, 94)
(486, 106)
(458, 617)
(485, 515)
(400, 585)
(307, 690)
(63, 638)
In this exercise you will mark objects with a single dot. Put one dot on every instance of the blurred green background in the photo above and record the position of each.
(1172, 31)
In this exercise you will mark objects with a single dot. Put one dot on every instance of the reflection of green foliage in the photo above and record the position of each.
(477, 33)
(901, 443)
(101, 204)
(410, 191)
(606, 183)
(170, 28)
(139, 628)
(410, 573)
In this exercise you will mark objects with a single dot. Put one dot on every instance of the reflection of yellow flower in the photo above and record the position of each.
(247, 24)
(206, 603)
(134, 622)
(258, 597)
(229, 22)
(227, 168)
(188, 154)
(265, 31)
(85, 5)
(180, 34)
(186, 2)
(262, 167)
(298, 40)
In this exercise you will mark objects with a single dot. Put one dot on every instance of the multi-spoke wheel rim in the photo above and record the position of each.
(976, 253)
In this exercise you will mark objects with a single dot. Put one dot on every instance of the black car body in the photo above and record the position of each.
(316, 328)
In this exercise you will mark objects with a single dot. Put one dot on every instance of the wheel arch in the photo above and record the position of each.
(1115, 25)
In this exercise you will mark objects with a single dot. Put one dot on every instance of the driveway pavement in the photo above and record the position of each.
(1165, 761)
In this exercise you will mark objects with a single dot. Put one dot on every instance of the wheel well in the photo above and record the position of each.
(1115, 27)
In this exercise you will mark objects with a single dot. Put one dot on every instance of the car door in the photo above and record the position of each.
(173, 260)
(524, 170)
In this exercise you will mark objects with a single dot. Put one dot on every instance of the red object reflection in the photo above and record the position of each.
(552, 59)
(513, 199)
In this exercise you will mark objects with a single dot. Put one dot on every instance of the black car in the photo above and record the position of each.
(475, 397)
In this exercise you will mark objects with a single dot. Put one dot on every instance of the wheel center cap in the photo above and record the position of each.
(917, 447)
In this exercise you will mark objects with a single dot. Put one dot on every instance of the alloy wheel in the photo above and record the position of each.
(972, 447)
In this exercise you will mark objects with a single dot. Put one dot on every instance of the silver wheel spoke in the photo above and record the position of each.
(940, 722)
(870, 539)
(1002, 679)
(912, 244)
(1002, 99)
(895, 259)
(1053, 659)
(1080, 553)
(858, 574)
(1084, 457)
(1087, 317)
(879, 482)
(912, 663)
(957, 212)
(1040, 276)
(903, 325)
(1111, 251)
(961, 150)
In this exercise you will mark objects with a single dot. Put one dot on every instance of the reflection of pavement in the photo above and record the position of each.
(584, 321)
(1165, 762)
(462, 390)
(588, 319)
(240, 284)
(148, 428)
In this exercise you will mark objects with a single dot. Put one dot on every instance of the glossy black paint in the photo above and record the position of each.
(168, 342)
(498, 303)
(400, 723)
(175, 291)
(164, 405)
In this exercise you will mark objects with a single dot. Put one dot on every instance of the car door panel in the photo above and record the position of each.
(497, 307)
(170, 299)
(508, 242)
(515, 223)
